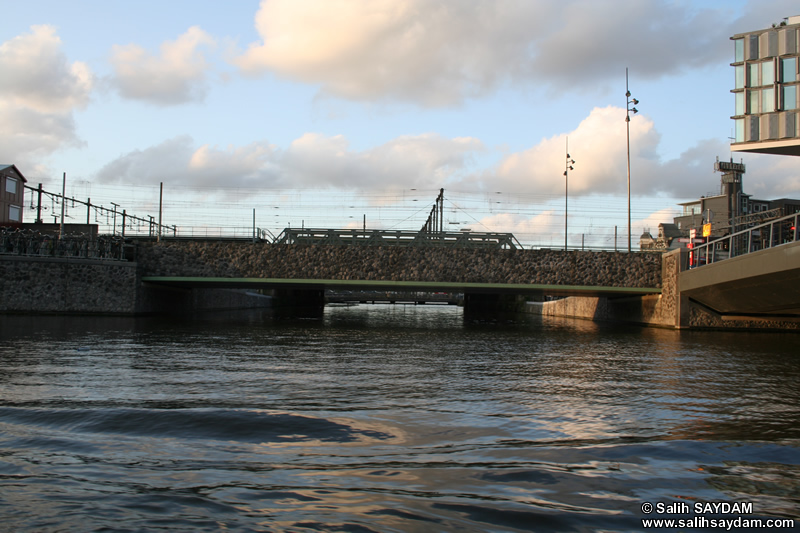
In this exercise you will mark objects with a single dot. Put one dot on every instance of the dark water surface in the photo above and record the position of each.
(387, 418)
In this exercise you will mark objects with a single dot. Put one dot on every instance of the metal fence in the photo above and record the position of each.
(397, 238)
(774, 233)
(32, 243)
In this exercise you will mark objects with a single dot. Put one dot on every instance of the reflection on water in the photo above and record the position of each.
(386, 418)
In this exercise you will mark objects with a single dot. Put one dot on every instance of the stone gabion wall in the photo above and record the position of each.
(52, 285)
(388, 263)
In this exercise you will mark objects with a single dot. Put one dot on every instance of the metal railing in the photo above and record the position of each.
(461, 239)
(774, 233)
(32, 243)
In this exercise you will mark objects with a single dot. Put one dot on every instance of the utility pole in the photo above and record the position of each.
(441, 210)
(39, 206)
(63, 205)
(160, 203)
(114, 219)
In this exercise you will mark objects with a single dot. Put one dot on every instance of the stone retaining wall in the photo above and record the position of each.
(264, 260)
(54, 285)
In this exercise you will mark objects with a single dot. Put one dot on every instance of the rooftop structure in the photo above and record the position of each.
(718, 215)
(766, 89)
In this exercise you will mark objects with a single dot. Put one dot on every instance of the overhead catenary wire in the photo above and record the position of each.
(533, 217)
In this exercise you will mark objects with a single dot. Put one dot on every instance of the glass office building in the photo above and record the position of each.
(767, 118)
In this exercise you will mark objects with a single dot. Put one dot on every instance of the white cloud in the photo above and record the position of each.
(311, 161)
(177, 161)
(769, 177)
(35, 134)
(593, 40)
(39, 89)
(38, 76)
(650, 224)
(407, 161)
(545, 223)
(175, 76)
(435, 53)
(599, 147)
(438, 53)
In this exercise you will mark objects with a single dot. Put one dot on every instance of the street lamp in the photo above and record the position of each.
(567, 168)
(628, 109)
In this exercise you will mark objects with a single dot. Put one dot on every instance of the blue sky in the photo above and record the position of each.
(323, 112)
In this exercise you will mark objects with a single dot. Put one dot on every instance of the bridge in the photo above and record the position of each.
(754, 272)
(488, 277)
(476, 297)
(747, 279)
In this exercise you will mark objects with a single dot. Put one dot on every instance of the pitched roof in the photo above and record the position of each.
(16, 171)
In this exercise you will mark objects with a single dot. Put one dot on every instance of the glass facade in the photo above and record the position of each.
(739, 135)
(789, 69)
(753, 108)
(767, 73)
(752, 78)
(789, 97)
(767, 89)
(768, 100)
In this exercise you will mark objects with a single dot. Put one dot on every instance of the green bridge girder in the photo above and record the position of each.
(422, 286)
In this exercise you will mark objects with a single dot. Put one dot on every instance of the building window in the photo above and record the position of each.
(752, 74)
(768, 100)
(754, 109)
(739, 77)
(754, 125)
(14, 213)
(789, 69)
(752, 49)
(739, 123)
(739, 103)
(11, 185)
(767, 73)
(789, 97)
(738, 46)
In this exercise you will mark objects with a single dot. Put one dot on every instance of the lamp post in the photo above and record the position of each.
(567, 168)
(628, 110)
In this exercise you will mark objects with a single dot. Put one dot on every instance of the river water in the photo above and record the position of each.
(388, 418)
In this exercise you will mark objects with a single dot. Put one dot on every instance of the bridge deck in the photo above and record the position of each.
(762, 282)
(422, 286)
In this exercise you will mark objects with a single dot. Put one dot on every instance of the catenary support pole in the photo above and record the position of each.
(160, 205)
(63, 204)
